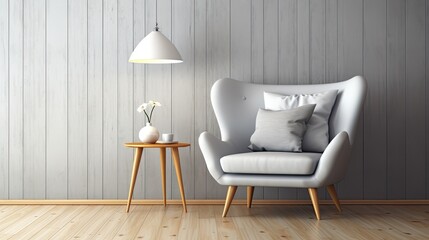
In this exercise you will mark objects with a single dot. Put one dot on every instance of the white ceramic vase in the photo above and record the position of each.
(149, 134)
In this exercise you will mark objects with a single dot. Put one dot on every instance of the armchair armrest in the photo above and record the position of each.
(213, 150)
(334, 161)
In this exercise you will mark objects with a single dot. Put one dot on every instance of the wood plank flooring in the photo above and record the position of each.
(205, 222)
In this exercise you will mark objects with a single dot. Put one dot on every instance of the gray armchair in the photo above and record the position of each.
(236, 104)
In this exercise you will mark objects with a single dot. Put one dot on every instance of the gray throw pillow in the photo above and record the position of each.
(281, 130)
(316, 139)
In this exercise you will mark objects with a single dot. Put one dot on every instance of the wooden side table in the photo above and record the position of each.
(137, 157)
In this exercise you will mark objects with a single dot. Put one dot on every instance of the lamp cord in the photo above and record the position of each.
(156, 15)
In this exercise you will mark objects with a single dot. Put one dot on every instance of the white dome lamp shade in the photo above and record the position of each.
(155, 48)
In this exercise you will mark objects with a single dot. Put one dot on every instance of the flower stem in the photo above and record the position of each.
(148, 118)
(151, 111)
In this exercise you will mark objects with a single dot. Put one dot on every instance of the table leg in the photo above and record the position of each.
(162, 160)
(137, 158)
(176, 159)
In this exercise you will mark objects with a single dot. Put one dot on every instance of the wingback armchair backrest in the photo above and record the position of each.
(236, 104)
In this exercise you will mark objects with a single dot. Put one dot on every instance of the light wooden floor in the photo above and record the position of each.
(205, 222)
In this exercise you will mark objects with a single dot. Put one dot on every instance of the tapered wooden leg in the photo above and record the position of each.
(250, 190)
(333, 194)
(137, 158)
(176, 159)
(229, 197)
(162, 164)
(315, 201)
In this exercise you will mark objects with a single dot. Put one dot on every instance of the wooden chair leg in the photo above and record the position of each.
(315, 201)
(250, 190)
(333, 194)
(229, 197)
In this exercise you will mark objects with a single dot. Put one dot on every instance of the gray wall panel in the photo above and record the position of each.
(288, 37)
(4, 99)
(16, 81)
(183, 104)
(77, 100)
(139, 78)
(95, 99)
(427, 99)
(395, 102)
(257, 41)
(126, 108)
(331, 41)
(110, 99)
(317, 39)
(34, 168)
(56, 89)
(200, 93)
(415, 103)
(374, 65)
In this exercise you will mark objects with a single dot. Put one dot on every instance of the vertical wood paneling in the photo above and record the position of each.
(241, 52)
(183, 104)
(427, 98)
(95, 99)
(271, 41)
(110, 99)
(375, 104)
(350, 63)
(350, 38)
(56, 96)
(241, 37)
(139, 88)
(158, 88)
(16, 77)
(34, 100)
(395, 102)
(288, 58)
(125, 95)
(317, 41)
(4, 99)
(288, 36)
(77, 100)
(200, 92)
(303, 36)
(331, 43)
(415, 95)
(218, 66)
(257, 41)
(68, 95)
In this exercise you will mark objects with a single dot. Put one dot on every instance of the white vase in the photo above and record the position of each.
(149, 134)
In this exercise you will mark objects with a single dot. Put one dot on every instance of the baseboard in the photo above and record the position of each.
(207, 202)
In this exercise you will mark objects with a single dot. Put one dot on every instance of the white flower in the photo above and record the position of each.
(154, 104)
(149, 106)
(142, 107)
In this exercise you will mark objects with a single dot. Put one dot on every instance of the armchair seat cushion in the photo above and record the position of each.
(285, 163)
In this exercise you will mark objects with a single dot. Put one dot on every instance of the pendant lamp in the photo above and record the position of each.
(155, 48)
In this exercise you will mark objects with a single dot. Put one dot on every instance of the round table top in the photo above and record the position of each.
(157, 145)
